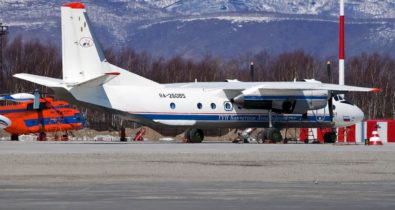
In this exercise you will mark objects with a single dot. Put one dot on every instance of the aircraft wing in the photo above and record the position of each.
(52, 82)
(310, 86)
(286, 86)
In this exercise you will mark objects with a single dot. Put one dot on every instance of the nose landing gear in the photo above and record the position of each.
(330, 137)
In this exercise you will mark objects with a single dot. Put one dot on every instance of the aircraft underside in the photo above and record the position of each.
(237, 121)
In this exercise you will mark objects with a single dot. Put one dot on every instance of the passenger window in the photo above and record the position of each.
(213, 106)
(172, 105)
(199, 106)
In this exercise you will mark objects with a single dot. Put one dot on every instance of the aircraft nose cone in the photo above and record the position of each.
(359, 115)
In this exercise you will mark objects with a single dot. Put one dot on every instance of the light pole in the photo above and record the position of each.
(252, 71)
(3, 33)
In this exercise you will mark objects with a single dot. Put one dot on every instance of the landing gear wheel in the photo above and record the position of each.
(194, 135)
(330, 137)
(42, 136)
(276, 136)
(122, 137)
(64, 137)
(272, 134)
(14, 137)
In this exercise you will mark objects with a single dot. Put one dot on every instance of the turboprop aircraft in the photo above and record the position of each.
(88, 79)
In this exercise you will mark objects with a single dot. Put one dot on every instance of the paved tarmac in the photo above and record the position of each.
(89, 175)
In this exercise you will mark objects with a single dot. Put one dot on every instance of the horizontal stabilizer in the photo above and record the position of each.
(45, 81)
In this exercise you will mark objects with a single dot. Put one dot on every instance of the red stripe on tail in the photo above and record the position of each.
(75, 5)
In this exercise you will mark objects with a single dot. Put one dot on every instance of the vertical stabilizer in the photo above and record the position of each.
(82, 55)
(83, 58)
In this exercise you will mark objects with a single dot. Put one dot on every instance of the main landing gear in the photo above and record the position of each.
(42, 136)
(194, 135)
(271, 134)
(14, 137)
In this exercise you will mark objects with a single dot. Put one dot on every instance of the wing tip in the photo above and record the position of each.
(113, 73)
(19, 75)
(75, 5)
(375, 90)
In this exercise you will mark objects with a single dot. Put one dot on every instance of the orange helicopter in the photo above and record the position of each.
(33, 114)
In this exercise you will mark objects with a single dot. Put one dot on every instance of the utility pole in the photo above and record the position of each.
(3, 33)
(252, 73)
(329, 71)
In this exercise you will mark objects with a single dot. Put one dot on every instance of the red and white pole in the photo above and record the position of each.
(341, 44)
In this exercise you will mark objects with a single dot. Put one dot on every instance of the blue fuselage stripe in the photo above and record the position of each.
(285, 98)
(241, 117)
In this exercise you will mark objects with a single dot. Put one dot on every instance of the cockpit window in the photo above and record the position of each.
(346, 102)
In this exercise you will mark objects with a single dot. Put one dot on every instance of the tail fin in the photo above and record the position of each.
(83, 58)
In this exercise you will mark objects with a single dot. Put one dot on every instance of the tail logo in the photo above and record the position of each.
(86, 42)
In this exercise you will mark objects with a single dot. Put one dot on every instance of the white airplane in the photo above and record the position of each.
(88, 79)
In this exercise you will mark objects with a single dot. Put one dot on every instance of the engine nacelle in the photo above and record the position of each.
(4, 122)
(296, 102)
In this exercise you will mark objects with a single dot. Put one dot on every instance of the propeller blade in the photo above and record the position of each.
(330, 106)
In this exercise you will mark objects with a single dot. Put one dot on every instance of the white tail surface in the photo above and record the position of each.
(83, 58)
